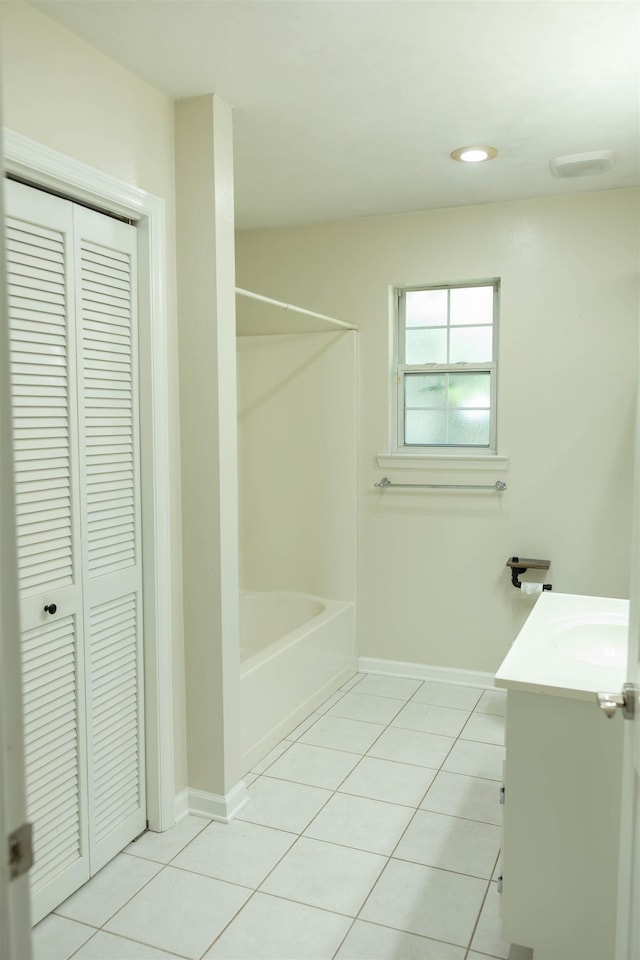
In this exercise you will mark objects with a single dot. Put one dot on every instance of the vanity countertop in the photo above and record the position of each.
(570, 646)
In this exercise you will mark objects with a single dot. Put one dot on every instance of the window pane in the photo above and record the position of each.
(470, 390)
(469, 427)
(472, 305)
(426, 308)
(425, 390)
(471, 345)
(422, 427)
(426, 346)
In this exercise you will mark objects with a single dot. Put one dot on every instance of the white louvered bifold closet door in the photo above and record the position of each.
(41, 293)
(72, 296)
(108, 403)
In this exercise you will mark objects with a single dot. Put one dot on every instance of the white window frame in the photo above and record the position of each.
(400, 369)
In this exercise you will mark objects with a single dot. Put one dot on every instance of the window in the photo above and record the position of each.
(446, 368)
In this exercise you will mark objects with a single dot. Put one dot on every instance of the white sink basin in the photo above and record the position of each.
(601, 641)
(569, 646)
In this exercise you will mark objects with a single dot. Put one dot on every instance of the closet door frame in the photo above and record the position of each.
(43, 167)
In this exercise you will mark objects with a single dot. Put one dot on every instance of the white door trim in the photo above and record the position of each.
(41, 166)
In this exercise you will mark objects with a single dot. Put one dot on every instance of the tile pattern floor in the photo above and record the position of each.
(372, 833)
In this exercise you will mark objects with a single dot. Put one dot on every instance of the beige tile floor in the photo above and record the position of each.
(372, 833)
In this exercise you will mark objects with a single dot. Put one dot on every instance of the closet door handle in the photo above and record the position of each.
(50, 608)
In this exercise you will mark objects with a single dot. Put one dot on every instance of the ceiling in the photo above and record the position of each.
(350, 108)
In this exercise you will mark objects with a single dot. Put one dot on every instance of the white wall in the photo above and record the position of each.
(59, 91)
(433, 584)
(297, 458)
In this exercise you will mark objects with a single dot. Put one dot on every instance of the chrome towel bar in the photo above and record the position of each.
(498, 486)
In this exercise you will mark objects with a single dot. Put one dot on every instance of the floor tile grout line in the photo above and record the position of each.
(119, 936)
(289, 743)
(411, 933)
(126, 902)
(484, 900)
(357, 679)
(433, 866)
(408, 763)
(411, 806)
(167, 863)
(431, 733)
(439, 770)
(74, 952)
(228, 924)
(210, 876)
(340, 716)
(400, 929)
(440, 706)
(341, 944)
(412, 699)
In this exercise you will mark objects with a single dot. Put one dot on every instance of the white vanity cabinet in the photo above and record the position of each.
(562, 790)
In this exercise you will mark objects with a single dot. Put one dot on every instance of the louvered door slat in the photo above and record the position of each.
(117, 746)
(32, 538)
(43, 794)
(58, 853)
(58, 749)
(109, 652)
(54, 717)
(124, 678)
(106, 330)
(120, 699)
(113, 629)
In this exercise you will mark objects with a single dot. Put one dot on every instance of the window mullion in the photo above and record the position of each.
(488, 367)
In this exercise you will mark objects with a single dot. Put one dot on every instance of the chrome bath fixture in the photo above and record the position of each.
(498, 486)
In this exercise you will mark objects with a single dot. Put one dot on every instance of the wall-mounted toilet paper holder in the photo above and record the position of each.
(522, 564)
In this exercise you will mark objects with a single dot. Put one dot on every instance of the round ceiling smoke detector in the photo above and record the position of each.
(583, 164)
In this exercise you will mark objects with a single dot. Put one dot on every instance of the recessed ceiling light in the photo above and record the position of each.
(475, 154)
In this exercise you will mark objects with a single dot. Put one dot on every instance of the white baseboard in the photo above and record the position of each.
(423, 671)
(212, 806)
(181, 806)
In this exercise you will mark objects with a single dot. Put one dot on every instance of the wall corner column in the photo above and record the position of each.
(206, 321)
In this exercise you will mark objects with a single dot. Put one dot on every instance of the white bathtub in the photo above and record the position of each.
(295, 651)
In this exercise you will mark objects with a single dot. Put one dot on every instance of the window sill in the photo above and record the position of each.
(442, 461)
